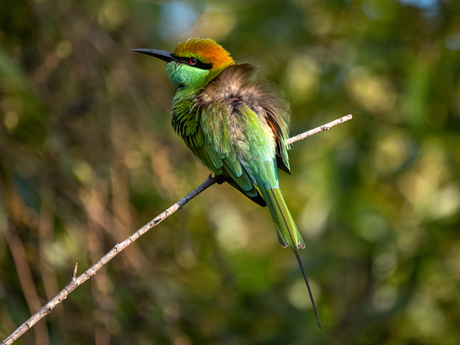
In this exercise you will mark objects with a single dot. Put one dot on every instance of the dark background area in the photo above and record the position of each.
(87, 156)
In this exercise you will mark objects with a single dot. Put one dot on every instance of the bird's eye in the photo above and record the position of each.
(192, 61)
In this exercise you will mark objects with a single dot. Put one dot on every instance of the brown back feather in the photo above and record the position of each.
(236, 85)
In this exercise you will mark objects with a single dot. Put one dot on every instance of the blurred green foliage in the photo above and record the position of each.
(87, 156)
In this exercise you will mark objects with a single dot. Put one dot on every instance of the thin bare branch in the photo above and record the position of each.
(76, 281)
(322, 128)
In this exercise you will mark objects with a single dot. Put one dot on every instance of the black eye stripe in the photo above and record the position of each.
(197, 64)
(203, 65)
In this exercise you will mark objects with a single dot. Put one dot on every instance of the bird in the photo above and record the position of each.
(236, 125)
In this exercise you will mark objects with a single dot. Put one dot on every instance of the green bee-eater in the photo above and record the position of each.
(235, 125)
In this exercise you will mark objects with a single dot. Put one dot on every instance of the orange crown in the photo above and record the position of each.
(206, 50)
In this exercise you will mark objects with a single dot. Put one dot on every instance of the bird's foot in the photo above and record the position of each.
(219, 179)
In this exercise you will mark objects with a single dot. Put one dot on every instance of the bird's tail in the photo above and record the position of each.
(288, 234)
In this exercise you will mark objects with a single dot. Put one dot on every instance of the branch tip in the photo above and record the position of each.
(74, 273)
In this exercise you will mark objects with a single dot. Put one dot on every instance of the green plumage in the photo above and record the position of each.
(238, 129)
(236, 126)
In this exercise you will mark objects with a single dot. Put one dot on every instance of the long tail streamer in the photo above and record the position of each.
(299, 260)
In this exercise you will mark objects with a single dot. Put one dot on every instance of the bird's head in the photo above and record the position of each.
(194, 63)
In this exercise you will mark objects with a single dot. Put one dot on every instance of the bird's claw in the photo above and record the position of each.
(219, 179)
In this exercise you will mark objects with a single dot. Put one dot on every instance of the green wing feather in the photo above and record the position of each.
(199, 130)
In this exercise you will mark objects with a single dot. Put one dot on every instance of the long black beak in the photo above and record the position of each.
(160, 54)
